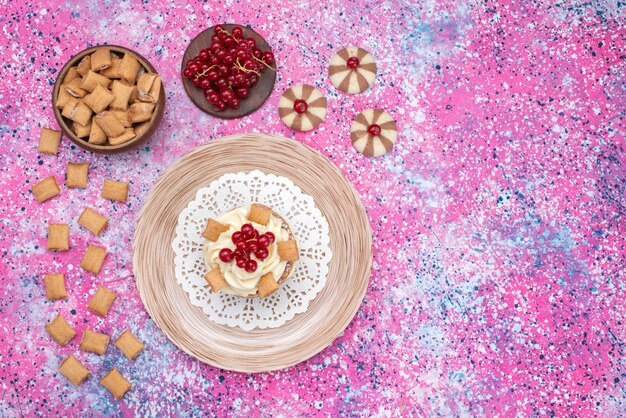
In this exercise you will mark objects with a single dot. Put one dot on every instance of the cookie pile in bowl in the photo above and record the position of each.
(108, 99)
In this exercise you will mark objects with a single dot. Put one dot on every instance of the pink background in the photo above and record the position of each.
(498, 219)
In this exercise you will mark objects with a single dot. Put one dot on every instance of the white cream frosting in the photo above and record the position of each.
(240, 282)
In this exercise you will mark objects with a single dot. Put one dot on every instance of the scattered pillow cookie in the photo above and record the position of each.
(94, 342)
(115, 190)
(49, 141)
(129, 345)
(73, 370)
(115, 383)
(77, 175)
(373, 132)
(93, 258)
(58, 237)
(55, 286)
(302, 107)
(101, 302)
(93, 221)
(46, 189)
(60, 330)
(352, 70)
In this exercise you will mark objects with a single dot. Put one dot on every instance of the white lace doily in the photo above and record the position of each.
(307, 223)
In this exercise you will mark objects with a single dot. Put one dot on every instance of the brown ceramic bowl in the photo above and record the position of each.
(106, 149)
(258, 93)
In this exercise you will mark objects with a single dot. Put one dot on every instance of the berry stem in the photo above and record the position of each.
(205, 72)
(264, 63)
(228, 33)
(244, 69)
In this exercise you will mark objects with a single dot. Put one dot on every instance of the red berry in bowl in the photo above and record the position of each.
(195, 81)
(234, 103)
(239, 79)
(261, 253)
(251, 266)
(270, 236)
(220, 105)
(208, 92)
(268, 57)
(221, 83)
(218, 28)
(237, 32)
(226, 255)
(214, 98)
(204, 55)
(229, 41)
(223, 70)
(220, 54)
(228, 59)
(251, 42)
(241, 54)
(213, 74)
(215, 46)
(205, 83)
(242, 92)
(228, 95)
(187, 72)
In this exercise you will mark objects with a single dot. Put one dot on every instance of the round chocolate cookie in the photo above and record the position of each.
(302, 107)
(352, 70)
(373, 132)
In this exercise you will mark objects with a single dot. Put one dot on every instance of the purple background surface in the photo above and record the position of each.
(498, 219)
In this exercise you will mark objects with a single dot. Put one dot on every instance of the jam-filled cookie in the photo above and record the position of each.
(302, 107)
(373, 132)
(352, 70)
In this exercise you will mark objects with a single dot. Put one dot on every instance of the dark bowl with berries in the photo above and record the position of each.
(228, 71)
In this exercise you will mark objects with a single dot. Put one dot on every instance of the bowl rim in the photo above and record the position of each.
(106, 149)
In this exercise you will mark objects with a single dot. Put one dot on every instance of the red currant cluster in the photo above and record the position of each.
(248, 242)
(228, 68)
